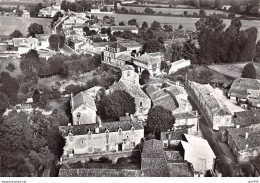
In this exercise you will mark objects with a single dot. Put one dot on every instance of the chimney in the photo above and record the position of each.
(246, 135)
(177, 83)
(69, 124)
(237, 126)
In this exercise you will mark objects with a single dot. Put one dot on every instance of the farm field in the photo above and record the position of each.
(9, 24)
(186, 22)
(170, 10)
(233, 70)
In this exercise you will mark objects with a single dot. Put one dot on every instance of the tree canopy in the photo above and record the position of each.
(159, 120)
(56, 41)
(35, 28)
(16, 34)
(153, 45)
(249, 71)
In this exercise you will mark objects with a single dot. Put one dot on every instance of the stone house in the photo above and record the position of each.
(101, 138)
(149, 61)
(244, 90)
(215, 109)
(189, 120)
(43, 40)
(83, 109)
(198, 152)
(129, 82)
(23, 45)
(244, 143)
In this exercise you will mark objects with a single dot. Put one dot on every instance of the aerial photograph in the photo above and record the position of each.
(129, 88)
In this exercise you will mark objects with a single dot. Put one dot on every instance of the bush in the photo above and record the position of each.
(10, 67)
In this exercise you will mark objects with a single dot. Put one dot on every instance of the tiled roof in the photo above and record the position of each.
(246, 118)
(174, 135)
(111, 126)
(133, 89)
(238, 136)
(176, 90)
(150, 58)
(151, 88)
(122, 28)
(154, 162)
(185, 115)
(216, 105)
(124, 56)
(84, 99)
(100, 170)
(118, 45)
(240, 86)
(179, 169)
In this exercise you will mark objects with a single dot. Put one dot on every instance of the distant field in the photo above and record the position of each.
(186, 22)
(233, 70)
(176, 11)
(9, 24)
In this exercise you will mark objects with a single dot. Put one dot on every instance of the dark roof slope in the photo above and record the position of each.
(247, 118)
(84, 99)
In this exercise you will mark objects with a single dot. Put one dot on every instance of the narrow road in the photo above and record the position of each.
(222, 165)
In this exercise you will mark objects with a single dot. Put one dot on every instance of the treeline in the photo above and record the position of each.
(77, 6)
(220, 45)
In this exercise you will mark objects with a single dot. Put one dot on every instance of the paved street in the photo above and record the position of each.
(224, 164)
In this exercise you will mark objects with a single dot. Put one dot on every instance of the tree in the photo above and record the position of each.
(156, 25)
(108, 31)
(144, 25)
(145, 76)
(103, 30)
(153, 45)
(97, 39)
(249, 71)
(202, 13)
(8, 86)
(3, 102)
(127, 34)
(55, 18)
(97, 59)
(121, 23)
(36, 96)
(56, 41)
(86, 30)
(35, 28)
(167, 28)
(115, 5)
(16, 34)
(30, 61)
(149, 11)
(132, 22)
(180, 27)
(112, 38)
(159, 120)
(119, 103)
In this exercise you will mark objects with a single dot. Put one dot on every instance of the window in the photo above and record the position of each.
(128, 73)
(165, 145)
(89, 134)
(132, 144)
(141, 104)
(78, 115)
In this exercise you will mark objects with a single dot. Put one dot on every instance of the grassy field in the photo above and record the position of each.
(233, 70)
(176, 11)
(186, 22)
(9, 24)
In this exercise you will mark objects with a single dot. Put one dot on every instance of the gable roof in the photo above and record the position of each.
(215, 104)
(198, 146)
(173, 135)
(247, 118)
(133, 89)
(83, 99)
(240, 86)
(150, 58)
(113, 126)
(238, 137)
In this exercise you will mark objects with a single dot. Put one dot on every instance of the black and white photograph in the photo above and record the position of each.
(129, 88)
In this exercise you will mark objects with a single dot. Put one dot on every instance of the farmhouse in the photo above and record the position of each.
(198, 152)
(98, 139)
(149, 61)
(244, 91)
(217, 112)
(244, 143)
(23, 45)
(83, 109)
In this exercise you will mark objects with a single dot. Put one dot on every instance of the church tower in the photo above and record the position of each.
(129, 75)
